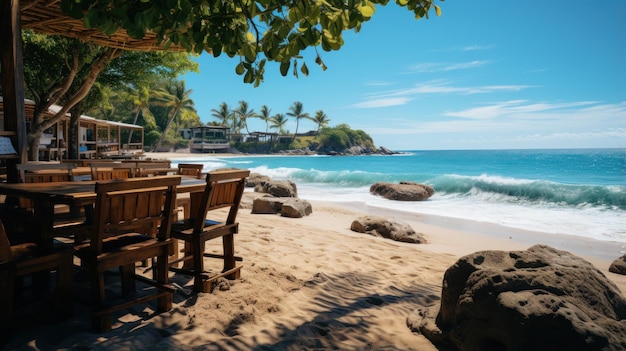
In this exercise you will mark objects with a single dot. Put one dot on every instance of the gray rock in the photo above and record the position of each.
(296, 208)
(280, 188)
(256, 179)
(406, 191)
(618, 266)
(537, 299)
(286, 206)
(387, 228)
(267, 205)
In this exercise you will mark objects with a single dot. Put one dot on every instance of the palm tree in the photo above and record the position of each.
(278, 122)
(223, 114)
(321, 119)
(243, 113)
(175, 96)
(265, 116)
(295, 110)
(141, 100)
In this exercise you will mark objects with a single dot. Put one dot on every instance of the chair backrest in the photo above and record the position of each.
(224, 188)
(43, 173)
(190, 169)
(138, 205)
(112, 171)
(46, 172)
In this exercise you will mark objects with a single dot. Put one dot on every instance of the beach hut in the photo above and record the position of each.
(210, 139)
(98, 138)
(44, 17)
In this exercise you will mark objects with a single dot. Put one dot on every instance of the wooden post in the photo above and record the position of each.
(13, 82)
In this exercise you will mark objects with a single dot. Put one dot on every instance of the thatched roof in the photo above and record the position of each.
(46, 16)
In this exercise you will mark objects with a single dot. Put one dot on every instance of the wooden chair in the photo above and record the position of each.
(27, 259)
(127, 214)
(43, 172)
(145, 169)
(111, 171)
(67, 219)
(224, 189)
(190, 169)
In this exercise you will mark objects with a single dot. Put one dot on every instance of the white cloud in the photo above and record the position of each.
(386, 102)
(557, 121)
(378, 84)
(442, 87)
(403, 96)
(477, 47)
(432, 67)
(474, 47)
(520, 109)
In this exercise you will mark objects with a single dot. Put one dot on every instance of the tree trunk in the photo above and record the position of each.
(130, 133)
(73, 135)
(297, 125)
(37, 128)
(167, 127)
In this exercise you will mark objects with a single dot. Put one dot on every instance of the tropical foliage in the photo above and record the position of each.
(63, 71)
(256, 31)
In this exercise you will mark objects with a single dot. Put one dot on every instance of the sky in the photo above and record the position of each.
(485, 74)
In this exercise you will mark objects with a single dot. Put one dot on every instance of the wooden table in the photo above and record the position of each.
(46, 195)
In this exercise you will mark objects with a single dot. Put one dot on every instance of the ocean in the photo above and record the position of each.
(579, 192)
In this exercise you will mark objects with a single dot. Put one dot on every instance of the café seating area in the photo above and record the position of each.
(112, 219)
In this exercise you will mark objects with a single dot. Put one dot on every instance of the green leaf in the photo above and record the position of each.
(91, 19)
(304, 69)
(240, 69)
(319, 61)
(284, 67)
(249, 77)
(367, 10)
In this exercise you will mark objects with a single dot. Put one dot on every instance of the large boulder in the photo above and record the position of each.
(387, 228)
(618, 266)
(256, 179)
(296, 208)
(279, 188)
(286, 206)
(405, 191)
(537, 299)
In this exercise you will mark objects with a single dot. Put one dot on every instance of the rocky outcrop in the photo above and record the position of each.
(404, 191)
(537, 299)
(387, 228)
(618, 266)
(278, 188)
(256, 179)
(286, 206)
(384, 151)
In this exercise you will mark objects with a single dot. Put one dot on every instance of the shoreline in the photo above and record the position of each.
(306, 283)
(460, 237)
(600, 252)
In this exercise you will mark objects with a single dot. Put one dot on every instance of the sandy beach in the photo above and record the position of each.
(311, 283)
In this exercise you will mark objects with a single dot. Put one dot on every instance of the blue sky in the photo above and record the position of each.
(484, 75)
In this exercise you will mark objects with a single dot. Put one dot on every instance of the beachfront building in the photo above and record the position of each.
(210, 139)
(97, 138)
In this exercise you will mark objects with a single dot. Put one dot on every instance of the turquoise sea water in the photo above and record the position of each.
(574, 192)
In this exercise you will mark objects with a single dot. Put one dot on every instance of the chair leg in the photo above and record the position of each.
(164, 303)
(198, 264)
(126, 275)
(65, 287)
(229, 256)
(101, 321)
